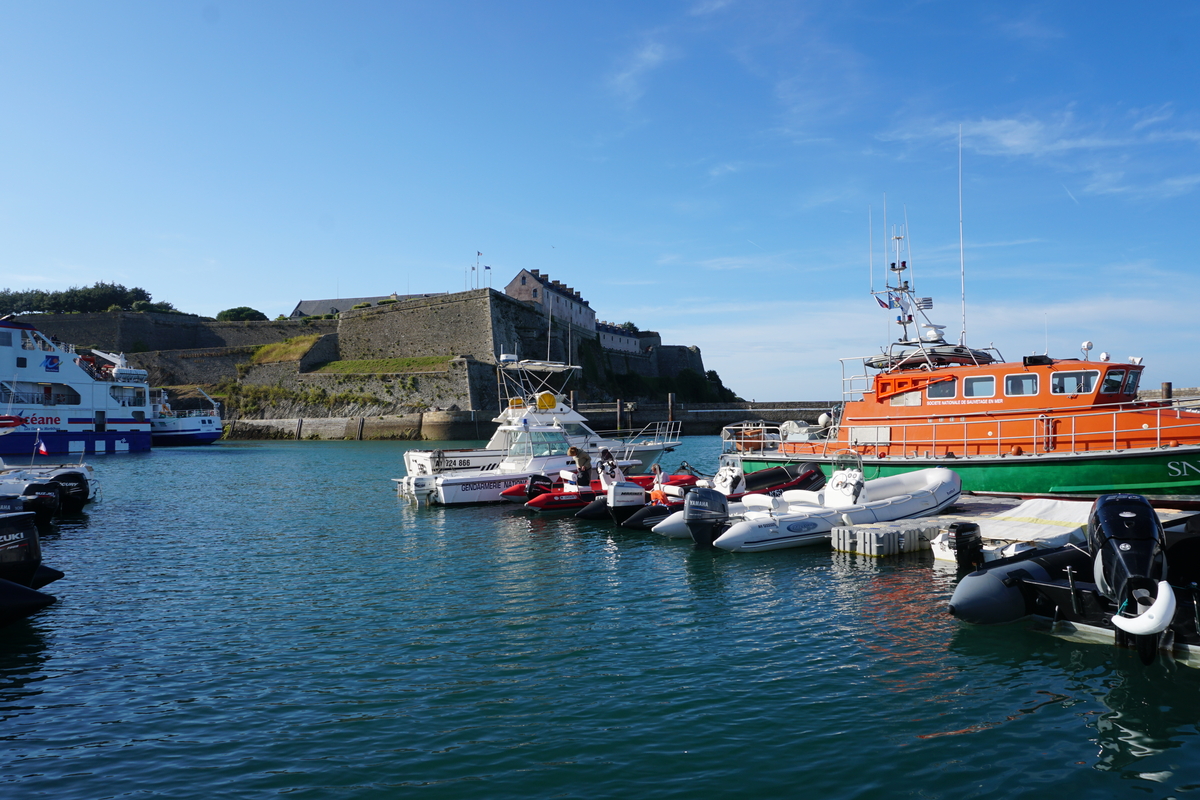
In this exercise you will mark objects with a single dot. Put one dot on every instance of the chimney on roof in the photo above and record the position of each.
(535, 273)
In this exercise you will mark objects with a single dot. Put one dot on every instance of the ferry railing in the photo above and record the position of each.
(1125, 426)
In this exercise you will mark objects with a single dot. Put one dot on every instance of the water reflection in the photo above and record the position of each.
(1138, 711)
(22, 659)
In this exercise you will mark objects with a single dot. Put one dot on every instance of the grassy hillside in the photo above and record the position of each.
(388, 365)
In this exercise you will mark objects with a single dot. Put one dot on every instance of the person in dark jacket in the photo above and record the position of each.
(583, 465)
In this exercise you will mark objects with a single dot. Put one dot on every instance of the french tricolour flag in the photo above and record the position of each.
(882, 303)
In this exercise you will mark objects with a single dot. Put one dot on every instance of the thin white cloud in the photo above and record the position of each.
(705, 7)
(723, 169)
(628, 83)
(1029, 29)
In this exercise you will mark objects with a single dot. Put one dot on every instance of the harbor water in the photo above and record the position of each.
(255, 619)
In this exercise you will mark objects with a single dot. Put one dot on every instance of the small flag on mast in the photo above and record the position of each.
(41, 446)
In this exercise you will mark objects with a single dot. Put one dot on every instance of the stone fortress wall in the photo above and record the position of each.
(474, 327)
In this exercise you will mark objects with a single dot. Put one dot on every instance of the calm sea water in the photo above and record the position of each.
(267, 618)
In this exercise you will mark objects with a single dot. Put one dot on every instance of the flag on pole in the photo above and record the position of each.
(41, 446)
(478, 253)
(882, 304)
(485, 266)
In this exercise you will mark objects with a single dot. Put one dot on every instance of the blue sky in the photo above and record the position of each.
(703, 168)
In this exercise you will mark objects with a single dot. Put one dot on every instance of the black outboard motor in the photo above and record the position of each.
(43, 499)
(536, 486)
(1128, 546)
(20, 565)
(73, 489)
(706, 513)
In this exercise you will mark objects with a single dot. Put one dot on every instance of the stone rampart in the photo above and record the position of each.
(203, 366)
(674, 358)
(465, 384)
(134, 332)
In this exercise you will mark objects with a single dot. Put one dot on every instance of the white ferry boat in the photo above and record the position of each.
(55, 401)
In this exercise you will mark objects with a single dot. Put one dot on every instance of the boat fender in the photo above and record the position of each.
(1154, 619)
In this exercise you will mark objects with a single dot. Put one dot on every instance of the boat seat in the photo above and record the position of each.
(568, 475)
(802, 497)
(762, 502)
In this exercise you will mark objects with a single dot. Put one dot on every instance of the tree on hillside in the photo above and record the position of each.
(98, 297)
(241, 314)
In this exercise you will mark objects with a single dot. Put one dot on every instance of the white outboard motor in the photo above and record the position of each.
(1129, 565)
(420, 489)
(624, 498)
(706, 514)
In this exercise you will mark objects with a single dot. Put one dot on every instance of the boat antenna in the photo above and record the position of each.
(962, 263)
(871, 248)
(908, 245)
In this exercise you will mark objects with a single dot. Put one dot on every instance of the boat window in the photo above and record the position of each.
(539, 443)
(1073, 382)
(1022, 384)
(6, 338)
(128, 395)
(1131, 383)
(1112, 381)
(942, 389)
(575, 429)
(979, 386)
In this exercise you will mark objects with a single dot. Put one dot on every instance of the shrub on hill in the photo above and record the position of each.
(241, 314)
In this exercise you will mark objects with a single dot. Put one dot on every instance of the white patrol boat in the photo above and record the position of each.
(170, 426)
(534, 450)
(527, 395)
(55, 401)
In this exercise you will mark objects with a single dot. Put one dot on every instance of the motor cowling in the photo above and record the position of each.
(537, 485)
(1128, 548)
(706, 513)
(1127, 544)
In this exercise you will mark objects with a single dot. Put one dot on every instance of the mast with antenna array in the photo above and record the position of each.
(962, 261)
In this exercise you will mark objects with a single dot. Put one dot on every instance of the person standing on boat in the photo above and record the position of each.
(610, 471)
(583, 465)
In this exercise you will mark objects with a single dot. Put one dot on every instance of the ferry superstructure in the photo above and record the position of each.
(57, 401)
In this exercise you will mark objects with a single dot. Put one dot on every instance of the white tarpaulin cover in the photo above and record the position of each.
(1049, 523)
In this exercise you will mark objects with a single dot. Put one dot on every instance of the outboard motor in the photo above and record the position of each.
(73, 488)
(420, 489)
(1128, 546)
(624, 498)
(43, 499)
(537, 485)
(706, 513)
(966, 541)
(20, 566)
